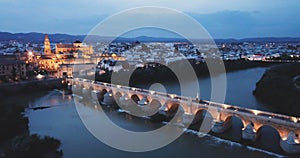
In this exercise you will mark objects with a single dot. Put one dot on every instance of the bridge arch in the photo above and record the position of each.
(237, 117)
(150, 98)
(117, 95)
(107, 89)
(205, 119)
(101, 94)
(200, 114)
(261, 131)
(269, 137)
(154, 106)
(174, 107)
(135, 98)
(237, 126)
(130, 94)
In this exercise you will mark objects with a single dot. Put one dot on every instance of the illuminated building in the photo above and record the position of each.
(12, 69)
(77, 49)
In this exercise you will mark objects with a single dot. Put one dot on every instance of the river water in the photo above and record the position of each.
(62, 121)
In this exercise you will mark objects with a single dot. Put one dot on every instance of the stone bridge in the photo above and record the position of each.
(192, 109)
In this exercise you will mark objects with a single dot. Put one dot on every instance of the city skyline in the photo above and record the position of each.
(222, 19)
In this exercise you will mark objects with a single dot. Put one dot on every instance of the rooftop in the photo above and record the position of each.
(65, 45)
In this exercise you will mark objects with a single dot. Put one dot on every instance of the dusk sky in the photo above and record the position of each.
(222, 18)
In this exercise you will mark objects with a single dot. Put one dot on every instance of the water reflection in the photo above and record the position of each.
(62, 122)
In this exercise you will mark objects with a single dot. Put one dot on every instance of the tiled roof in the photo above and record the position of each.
(64, 46)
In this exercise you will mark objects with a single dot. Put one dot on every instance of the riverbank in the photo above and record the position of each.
(15, 138)
(162, 73)
(30, 86)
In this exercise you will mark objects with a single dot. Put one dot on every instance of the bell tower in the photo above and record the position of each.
(47, 48)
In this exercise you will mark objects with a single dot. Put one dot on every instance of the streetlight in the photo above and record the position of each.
(30, 53)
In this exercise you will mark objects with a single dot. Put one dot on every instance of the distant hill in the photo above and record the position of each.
(149, 39)
(39, 37)
(272, 39)
(261, 40)
(65, 38)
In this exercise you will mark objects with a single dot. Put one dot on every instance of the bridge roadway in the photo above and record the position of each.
(288, 127)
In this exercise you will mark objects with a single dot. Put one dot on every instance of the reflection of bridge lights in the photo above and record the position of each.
(39, 76)
(226, 106)
(236, 110)
(270, 117)
(284, 138)
(152, 92)
(294, 119)
(172, 96)
(166, 108)
(30, 53)
(143, 101)
(256, 112)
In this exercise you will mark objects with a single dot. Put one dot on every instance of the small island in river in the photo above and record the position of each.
(279, 87)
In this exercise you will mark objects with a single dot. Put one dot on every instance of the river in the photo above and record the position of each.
(62, 121)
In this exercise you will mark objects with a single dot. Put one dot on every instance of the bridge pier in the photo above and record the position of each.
(249, 133)
(221, 126)
(108, 98)
(143, 104)
(187, 118)
(290, 144)
(124, 101)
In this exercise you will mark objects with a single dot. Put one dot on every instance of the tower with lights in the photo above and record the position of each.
(47, 48)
